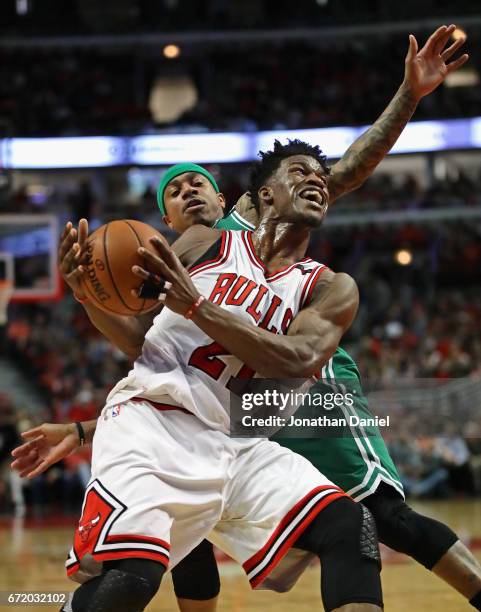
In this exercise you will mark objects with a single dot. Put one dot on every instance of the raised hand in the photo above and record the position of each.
(70, 252)
(426, 69)
(246, 209)
(46, 444)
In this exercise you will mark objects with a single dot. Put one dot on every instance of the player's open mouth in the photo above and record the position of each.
(193, 205)
(312, 194)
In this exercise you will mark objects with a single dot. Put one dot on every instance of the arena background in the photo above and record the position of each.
(153, 82)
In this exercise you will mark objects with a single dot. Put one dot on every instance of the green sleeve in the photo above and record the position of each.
(233, 221)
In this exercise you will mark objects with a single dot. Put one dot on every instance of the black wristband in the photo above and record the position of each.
(150, 290)
(81, 433)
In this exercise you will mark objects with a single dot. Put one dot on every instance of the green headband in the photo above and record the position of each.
(176, 171)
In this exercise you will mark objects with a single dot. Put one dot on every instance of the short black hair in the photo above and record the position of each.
(270, 161)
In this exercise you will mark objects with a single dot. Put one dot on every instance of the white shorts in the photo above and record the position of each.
(162, 482)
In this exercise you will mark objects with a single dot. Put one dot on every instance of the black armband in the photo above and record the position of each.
(81, 432)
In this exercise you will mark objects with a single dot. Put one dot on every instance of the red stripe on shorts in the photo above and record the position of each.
(257, 559)
(136, 538)
(130, 553)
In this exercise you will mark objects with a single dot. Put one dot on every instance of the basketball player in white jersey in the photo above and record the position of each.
(390, 128)
(166, 473)
(196, 577)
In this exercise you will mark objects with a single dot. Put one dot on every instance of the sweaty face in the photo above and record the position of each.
(191, 199)
(299, 191)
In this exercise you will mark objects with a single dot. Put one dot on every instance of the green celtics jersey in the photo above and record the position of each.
(354, 457)
(233, 221)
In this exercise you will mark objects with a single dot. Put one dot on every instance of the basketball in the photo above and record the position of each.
(111, 253)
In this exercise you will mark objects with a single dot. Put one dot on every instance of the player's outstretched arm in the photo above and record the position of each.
(313, 335)
(126, 333)
(47, 444)
(425, 70)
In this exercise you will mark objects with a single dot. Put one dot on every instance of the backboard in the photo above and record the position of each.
(28, 248)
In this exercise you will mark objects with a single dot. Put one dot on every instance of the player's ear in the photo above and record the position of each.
(265, 195)
(167, 221)
(221, 198)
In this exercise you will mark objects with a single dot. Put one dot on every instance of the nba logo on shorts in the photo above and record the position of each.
(115, 411)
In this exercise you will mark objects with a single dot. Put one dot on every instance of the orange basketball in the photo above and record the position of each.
(108, 278)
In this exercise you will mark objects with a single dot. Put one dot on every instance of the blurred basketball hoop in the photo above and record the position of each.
(28, 251)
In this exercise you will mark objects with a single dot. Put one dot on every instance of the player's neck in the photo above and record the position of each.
(280, 244)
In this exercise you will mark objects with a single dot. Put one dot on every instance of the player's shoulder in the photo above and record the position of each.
(319, 272)
(194, 242)
(345, 284)
(197, 233)
(308, 266)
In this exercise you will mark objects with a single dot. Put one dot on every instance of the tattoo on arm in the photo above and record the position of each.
(362, 157)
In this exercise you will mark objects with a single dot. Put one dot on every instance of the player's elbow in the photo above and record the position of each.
(295, 362)
(133, 354)
(349, 305)
(132, 350)
(130, 345)
(334, 324)
(280, 362)
(130, 353)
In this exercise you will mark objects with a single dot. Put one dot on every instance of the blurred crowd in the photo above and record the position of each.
(72, 364)
(73, 369)
(63, 17)
(403, 191)
(59, 489)
(74, 198)
(254, 86)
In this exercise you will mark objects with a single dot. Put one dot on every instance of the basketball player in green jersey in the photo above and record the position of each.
(359, 463)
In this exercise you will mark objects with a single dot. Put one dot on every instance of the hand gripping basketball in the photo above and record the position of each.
(110, 252)
(179, 292)
(71, 257)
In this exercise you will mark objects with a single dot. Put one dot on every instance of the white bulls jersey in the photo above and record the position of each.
(180, 365)
(166, 474)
